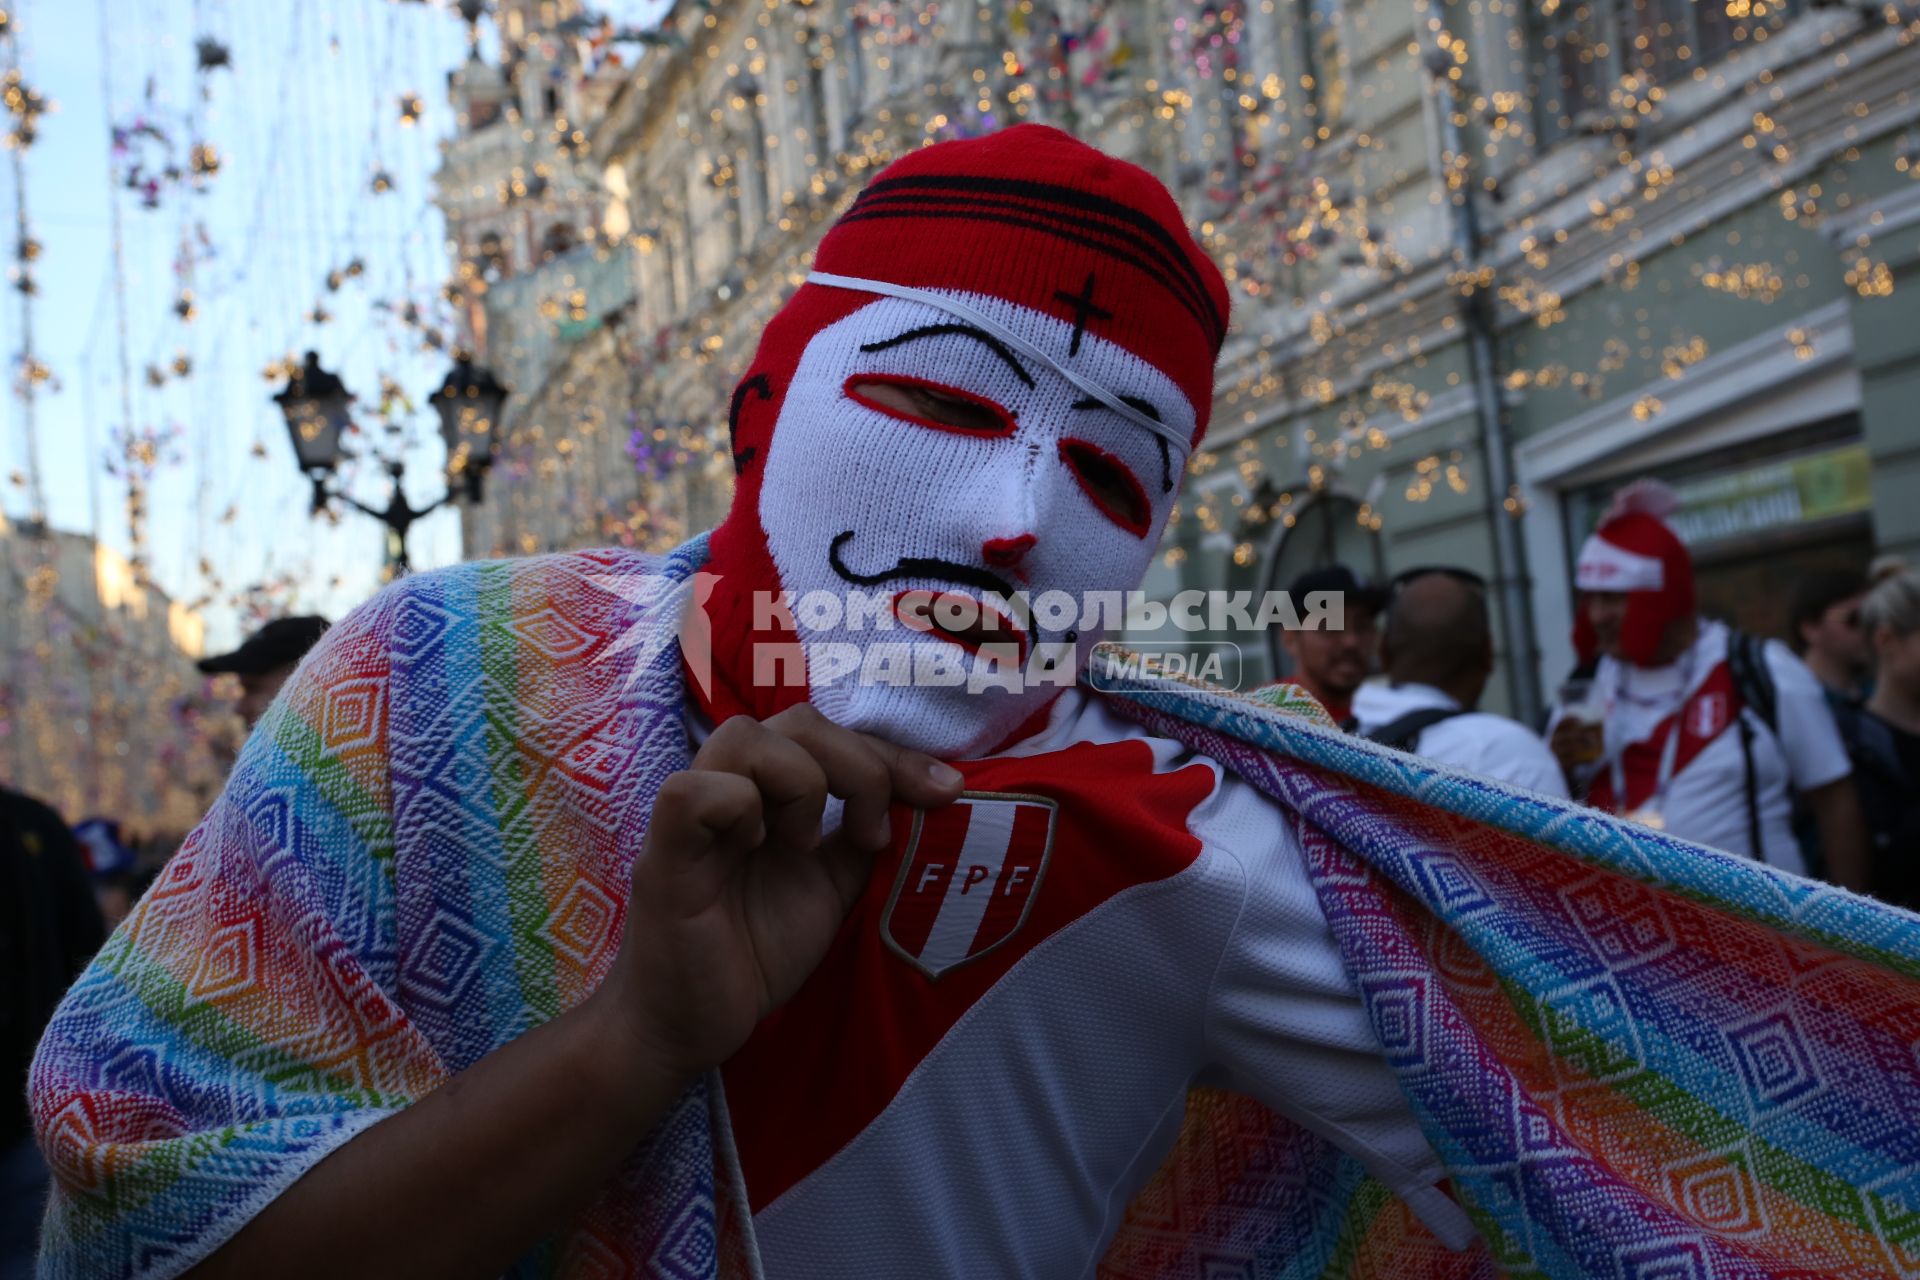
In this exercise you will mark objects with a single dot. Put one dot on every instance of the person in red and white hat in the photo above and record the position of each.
(1686, 724)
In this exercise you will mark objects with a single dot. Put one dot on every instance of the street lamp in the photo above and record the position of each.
(317, 404)
(471, 10)
(469, 404)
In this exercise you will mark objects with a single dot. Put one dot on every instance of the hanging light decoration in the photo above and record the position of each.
(211, 55)
(25, 104)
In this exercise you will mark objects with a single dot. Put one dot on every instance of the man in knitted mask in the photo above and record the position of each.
(979, 406)
(988, 387)
(1700, 729)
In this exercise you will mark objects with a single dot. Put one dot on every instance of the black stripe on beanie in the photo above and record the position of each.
(1069, 206)
(1115, 241)
(1043, 193)
(1045, 202)
(989, 213)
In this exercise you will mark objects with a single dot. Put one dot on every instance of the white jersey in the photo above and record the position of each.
(995, 1053)
(1706, 793)
(1474, 742)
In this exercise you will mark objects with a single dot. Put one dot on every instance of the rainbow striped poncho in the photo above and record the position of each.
(1639, 1058)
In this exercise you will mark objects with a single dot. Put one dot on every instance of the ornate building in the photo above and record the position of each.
(101, 710)
(1489, 260)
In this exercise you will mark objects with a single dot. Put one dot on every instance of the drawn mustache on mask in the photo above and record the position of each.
(918, 567)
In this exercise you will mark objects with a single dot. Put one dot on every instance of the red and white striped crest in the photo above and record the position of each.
(1708, 715)
(968, 877)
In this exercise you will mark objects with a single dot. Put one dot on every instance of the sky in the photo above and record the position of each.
(306, 112)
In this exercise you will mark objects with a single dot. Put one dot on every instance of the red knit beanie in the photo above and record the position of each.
(1633, 551)
(1029, 215)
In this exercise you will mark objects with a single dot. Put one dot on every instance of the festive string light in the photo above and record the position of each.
(25, 106)
(211, 55)
(204, 160)
(24, 103)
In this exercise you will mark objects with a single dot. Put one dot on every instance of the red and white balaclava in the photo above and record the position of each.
(1054, 287)
(1633, 551)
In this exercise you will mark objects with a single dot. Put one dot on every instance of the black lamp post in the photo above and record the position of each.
(469, 404)
(472, 10)
(316, 404)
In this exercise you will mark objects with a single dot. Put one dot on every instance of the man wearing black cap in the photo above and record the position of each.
(1332, 662)
(265, 660)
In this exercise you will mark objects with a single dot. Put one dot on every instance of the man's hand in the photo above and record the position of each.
(735, 900)
(1576, 743)
(736, 896)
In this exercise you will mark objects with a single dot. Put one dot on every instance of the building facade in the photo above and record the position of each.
(1490, 259)
(102, 713)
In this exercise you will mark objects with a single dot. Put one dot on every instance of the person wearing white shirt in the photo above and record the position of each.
(1690, 702)
(1438, 655)
(1701, 731)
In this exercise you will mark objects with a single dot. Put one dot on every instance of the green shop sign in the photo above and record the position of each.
(1816, 486)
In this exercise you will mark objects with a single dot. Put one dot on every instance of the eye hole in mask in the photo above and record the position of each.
(1110, 484)
(929, 404)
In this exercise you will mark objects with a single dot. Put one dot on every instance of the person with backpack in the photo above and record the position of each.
(1883, 740)
(1438, 653)
(1703, 731)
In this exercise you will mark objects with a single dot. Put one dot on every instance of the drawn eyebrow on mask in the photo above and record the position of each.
(1146, 407)
(998, 347)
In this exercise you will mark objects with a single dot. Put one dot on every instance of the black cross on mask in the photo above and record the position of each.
(1083, 308)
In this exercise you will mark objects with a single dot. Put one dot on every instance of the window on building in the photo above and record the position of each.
(671, 255)
(1323, 64)
(756, 162)
(1571, 66)
(817, 110)
(851, 66)
(1594, 59)
(721, 174)
(687, 261)
(815, 50)
(492, 258)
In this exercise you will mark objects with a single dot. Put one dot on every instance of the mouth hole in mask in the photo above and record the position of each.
(962, 620)
(929, 404)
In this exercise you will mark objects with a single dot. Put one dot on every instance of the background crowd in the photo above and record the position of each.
(1802, 751)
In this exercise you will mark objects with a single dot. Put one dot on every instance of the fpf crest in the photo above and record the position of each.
(968, 878)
